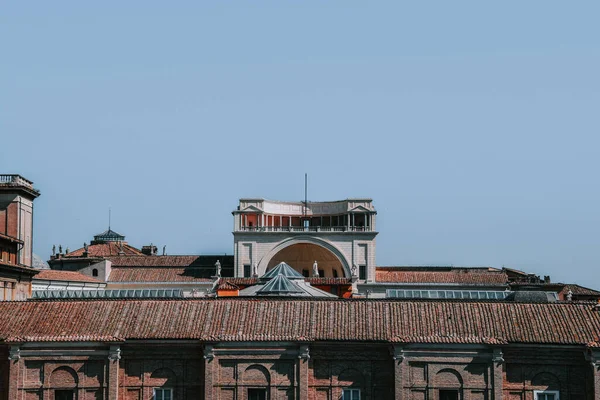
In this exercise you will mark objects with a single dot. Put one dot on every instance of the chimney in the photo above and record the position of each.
(546, 278)
(149, 250)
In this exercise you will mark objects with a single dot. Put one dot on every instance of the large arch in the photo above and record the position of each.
(335, 258)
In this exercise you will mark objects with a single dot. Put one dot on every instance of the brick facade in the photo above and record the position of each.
(287, 370)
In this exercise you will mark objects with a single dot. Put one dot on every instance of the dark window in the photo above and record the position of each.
(362, 272)
(322, 273)
(94, 272)
(64, 395)
(305, 273)
(247, 271)
(448, 394)
(257, 394)
(335, 274)
(163, 394)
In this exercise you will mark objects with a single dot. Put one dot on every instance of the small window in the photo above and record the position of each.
(322, 273)
(64, 395)
(247, 271)
(362, 272)
(163, 394)
(351, 394)
(448, 394)
(335, 273)
(546, 395)
(94, 272)
(257, 394)
(305, 273)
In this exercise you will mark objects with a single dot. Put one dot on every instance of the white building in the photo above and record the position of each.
(338, 235)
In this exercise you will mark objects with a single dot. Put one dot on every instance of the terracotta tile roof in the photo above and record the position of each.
(226, 285)
(160, 274)
(105, 250)
(580, 290)
(242, 281)
(235, 319)
(475, 276)
(207, 261)
(55, 275)
(558, 287)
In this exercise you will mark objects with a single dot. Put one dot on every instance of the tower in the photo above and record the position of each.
(16, 219)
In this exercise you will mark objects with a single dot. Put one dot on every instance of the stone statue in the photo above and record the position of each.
(354, 268)
(60, 249)
(53, 249)
(315, 269)
(85, 246)
(254, 270)
(67, 251)
(218, 265)
(569, 295)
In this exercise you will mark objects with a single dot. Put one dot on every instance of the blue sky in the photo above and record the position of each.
(473, 126)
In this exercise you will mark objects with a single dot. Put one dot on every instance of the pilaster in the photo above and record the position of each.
(399, 370)
(595, 362)
(209, 380)
(114, 357)
(497, 375)
(15, 371)
(303, 372)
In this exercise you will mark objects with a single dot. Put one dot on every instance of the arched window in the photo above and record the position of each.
(94, 272)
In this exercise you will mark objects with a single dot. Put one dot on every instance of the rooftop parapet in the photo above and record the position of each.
(14, 181)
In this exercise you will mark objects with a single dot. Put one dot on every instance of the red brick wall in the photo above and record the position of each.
(179, 367)
(330, 369)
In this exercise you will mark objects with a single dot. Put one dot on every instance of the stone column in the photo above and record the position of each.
(497, 379)
(303, 372)
(209, 361)
(114, 357)
(399, 371)
(15, 367)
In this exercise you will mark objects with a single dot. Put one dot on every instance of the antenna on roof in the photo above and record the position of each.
(109, 218)
(305, 194)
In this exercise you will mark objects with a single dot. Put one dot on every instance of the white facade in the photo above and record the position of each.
(346, 229)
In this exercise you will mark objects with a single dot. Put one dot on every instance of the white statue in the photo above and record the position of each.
(354, 268)
(315, 269)
(218, 265)
(254, 270)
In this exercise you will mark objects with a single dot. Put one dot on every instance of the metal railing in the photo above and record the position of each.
(304, 229)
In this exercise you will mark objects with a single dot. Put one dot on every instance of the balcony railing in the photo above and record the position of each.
(304, 229)
(15, 180)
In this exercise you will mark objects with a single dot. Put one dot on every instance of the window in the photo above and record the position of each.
(335, 273)
(448, 394)
(362, 272)
(351, 394)
(305, 273)
(546, 395)
(322, 273)
(247, 271)
(94, 272)
(163, 394)
(64, 395)
(257, 394)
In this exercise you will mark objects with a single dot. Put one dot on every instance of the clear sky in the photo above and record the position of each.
(473, 126)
